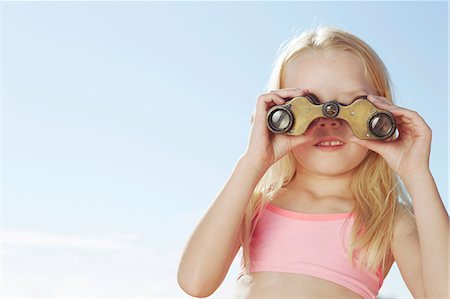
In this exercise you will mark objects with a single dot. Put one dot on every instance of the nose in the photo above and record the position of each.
(328, 122)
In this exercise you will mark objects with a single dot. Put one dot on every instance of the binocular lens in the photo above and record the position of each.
(280, 120)
(381, 125)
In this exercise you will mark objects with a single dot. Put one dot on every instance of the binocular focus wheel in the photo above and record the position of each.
(381, 125)
(330, 109)
(280, 120)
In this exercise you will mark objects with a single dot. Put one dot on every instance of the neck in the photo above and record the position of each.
(322, 186)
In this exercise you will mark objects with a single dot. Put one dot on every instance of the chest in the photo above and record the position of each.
(305, 202)
(284, 237)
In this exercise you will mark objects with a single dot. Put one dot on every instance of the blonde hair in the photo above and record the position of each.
(379, 196)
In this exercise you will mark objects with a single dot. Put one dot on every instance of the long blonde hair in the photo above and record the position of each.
(379, 196)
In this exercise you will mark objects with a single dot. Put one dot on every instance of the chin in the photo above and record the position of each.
(327, 170)
(324, 166)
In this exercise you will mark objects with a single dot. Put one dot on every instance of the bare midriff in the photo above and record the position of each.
(289, 285)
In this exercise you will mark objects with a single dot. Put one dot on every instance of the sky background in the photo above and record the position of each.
(121, 122)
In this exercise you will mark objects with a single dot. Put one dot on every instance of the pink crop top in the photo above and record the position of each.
(293, 242)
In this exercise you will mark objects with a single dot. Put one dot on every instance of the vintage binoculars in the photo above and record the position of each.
(365, 120)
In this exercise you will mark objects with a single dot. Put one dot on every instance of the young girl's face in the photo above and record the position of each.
(330, 75)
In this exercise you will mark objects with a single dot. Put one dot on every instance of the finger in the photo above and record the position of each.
(377, 100)
(264, 102)
(290, 92)
(373, 145)
(300, 139)
(268, 100)
(382, 103)
(307, 136)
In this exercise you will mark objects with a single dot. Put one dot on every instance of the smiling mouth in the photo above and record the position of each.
(330, 146)
(336, 143)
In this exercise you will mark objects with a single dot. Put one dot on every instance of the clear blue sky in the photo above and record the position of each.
(121, 121)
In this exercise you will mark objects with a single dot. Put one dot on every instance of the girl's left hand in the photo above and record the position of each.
(409, 154)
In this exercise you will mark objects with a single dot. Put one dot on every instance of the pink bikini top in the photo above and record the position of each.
(312, 244)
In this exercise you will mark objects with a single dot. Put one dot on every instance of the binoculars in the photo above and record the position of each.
(365, 119)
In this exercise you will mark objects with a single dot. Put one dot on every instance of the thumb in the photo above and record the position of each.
(373, 145)
(300, 139)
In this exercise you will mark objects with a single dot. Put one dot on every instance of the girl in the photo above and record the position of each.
(315, 219)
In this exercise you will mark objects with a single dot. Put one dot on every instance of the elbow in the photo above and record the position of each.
(192, 286)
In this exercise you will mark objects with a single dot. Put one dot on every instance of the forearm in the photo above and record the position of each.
(433, 229)
(207, 255)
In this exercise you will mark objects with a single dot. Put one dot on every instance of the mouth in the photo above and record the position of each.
(330, 144)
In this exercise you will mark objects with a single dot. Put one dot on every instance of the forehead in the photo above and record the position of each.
(329, 75)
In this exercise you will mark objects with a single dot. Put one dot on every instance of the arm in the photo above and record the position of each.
(215, 241)
(433, 233)
(420, 244)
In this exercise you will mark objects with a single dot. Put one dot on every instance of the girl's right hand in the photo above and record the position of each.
(264, 147)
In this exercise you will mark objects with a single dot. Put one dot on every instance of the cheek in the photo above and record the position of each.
(358, 153)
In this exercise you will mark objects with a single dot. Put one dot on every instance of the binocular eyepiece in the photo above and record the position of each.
(364, 118)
